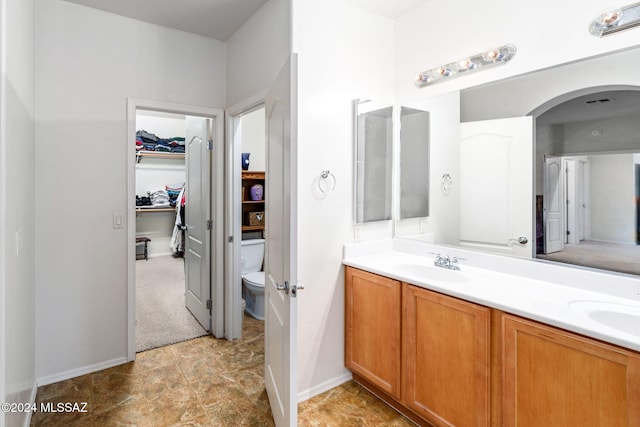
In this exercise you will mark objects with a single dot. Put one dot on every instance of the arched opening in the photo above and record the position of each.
(587, 178)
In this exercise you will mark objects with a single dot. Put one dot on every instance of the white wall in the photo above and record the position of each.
(17, 206)
(257, 51)
(252, 128)
(88, 63)
(613, 208)
(344, 54)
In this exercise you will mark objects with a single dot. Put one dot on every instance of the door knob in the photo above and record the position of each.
(521, 240)
(283, 287)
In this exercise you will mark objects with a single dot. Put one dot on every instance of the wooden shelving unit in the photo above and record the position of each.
(250, 178)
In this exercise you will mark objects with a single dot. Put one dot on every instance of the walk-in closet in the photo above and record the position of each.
(160, 178)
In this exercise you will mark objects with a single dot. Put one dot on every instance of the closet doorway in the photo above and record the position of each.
(175, 224)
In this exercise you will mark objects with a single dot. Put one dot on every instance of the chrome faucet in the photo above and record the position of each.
(445, 261)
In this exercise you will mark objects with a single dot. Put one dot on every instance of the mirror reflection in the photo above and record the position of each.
(414, 163)
(373, 161)
(583, 166)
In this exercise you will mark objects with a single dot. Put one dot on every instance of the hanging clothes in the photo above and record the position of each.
(177, 238)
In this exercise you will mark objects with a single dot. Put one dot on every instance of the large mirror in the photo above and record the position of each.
(543, 165)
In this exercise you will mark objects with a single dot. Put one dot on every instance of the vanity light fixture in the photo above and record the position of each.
(615, 20)
(480, 61)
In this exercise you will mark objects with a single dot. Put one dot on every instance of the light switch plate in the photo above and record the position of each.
(118, 220)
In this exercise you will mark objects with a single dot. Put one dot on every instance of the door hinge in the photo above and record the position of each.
(209, 304)
(230, 239)
(210, 145)
(209, 224)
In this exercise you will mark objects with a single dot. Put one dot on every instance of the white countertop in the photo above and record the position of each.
(572, 305)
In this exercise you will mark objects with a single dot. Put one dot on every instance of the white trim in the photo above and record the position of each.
(233, 212)
(32, 399)
(73, 373)
(322, 387)
(134, 104)
(3, 204)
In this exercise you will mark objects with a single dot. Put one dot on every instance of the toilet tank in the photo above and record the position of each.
(251, 255)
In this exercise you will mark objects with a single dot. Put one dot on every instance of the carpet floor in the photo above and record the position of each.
(606, 256)
(161, 317)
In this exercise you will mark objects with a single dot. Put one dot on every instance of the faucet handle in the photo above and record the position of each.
(454, 262)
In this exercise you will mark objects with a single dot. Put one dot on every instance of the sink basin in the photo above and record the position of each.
(426, 273)
(622, 317)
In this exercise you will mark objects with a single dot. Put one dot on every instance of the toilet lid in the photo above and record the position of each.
(256, 278)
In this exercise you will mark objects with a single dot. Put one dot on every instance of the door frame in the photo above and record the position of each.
(216, 201)
(233, 211)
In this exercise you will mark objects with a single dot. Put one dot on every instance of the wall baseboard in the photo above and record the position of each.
(325, 386)
(50, 379)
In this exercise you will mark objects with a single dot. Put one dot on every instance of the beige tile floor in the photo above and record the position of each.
(202, 382)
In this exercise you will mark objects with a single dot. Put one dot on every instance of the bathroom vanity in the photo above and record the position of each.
(481, 347)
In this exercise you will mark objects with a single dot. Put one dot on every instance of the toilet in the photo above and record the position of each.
(251, 257)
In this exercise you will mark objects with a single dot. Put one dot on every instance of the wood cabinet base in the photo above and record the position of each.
(394, 403)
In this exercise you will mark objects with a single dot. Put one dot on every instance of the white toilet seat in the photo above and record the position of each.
(255, 278)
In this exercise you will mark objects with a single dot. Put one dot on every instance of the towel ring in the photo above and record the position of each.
(326, 182)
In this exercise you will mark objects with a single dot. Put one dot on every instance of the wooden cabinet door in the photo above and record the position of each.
(372, 347)
(447, 354)
(556, 378)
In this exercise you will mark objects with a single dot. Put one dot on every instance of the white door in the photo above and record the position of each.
(281, 246)
(197, 213)
(496, 185)
(553, 205)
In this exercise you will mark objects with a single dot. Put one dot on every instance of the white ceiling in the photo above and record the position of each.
(392, 9)
(219, 19)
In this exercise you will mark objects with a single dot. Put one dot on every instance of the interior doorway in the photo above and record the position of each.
(195, 239)
(162, 317)
(246, 167)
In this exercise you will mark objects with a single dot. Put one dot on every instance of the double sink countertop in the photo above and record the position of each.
(598, 304)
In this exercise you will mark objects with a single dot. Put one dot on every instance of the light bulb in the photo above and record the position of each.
(492, 55)
(610, 18)
(444, 71)
(464, 64)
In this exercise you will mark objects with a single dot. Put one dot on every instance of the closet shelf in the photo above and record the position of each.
(253, 228)
(155, 209)
(158, 155)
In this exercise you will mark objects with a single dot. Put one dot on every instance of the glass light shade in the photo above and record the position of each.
(615, 20)
(465, 64)
(488, 58)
